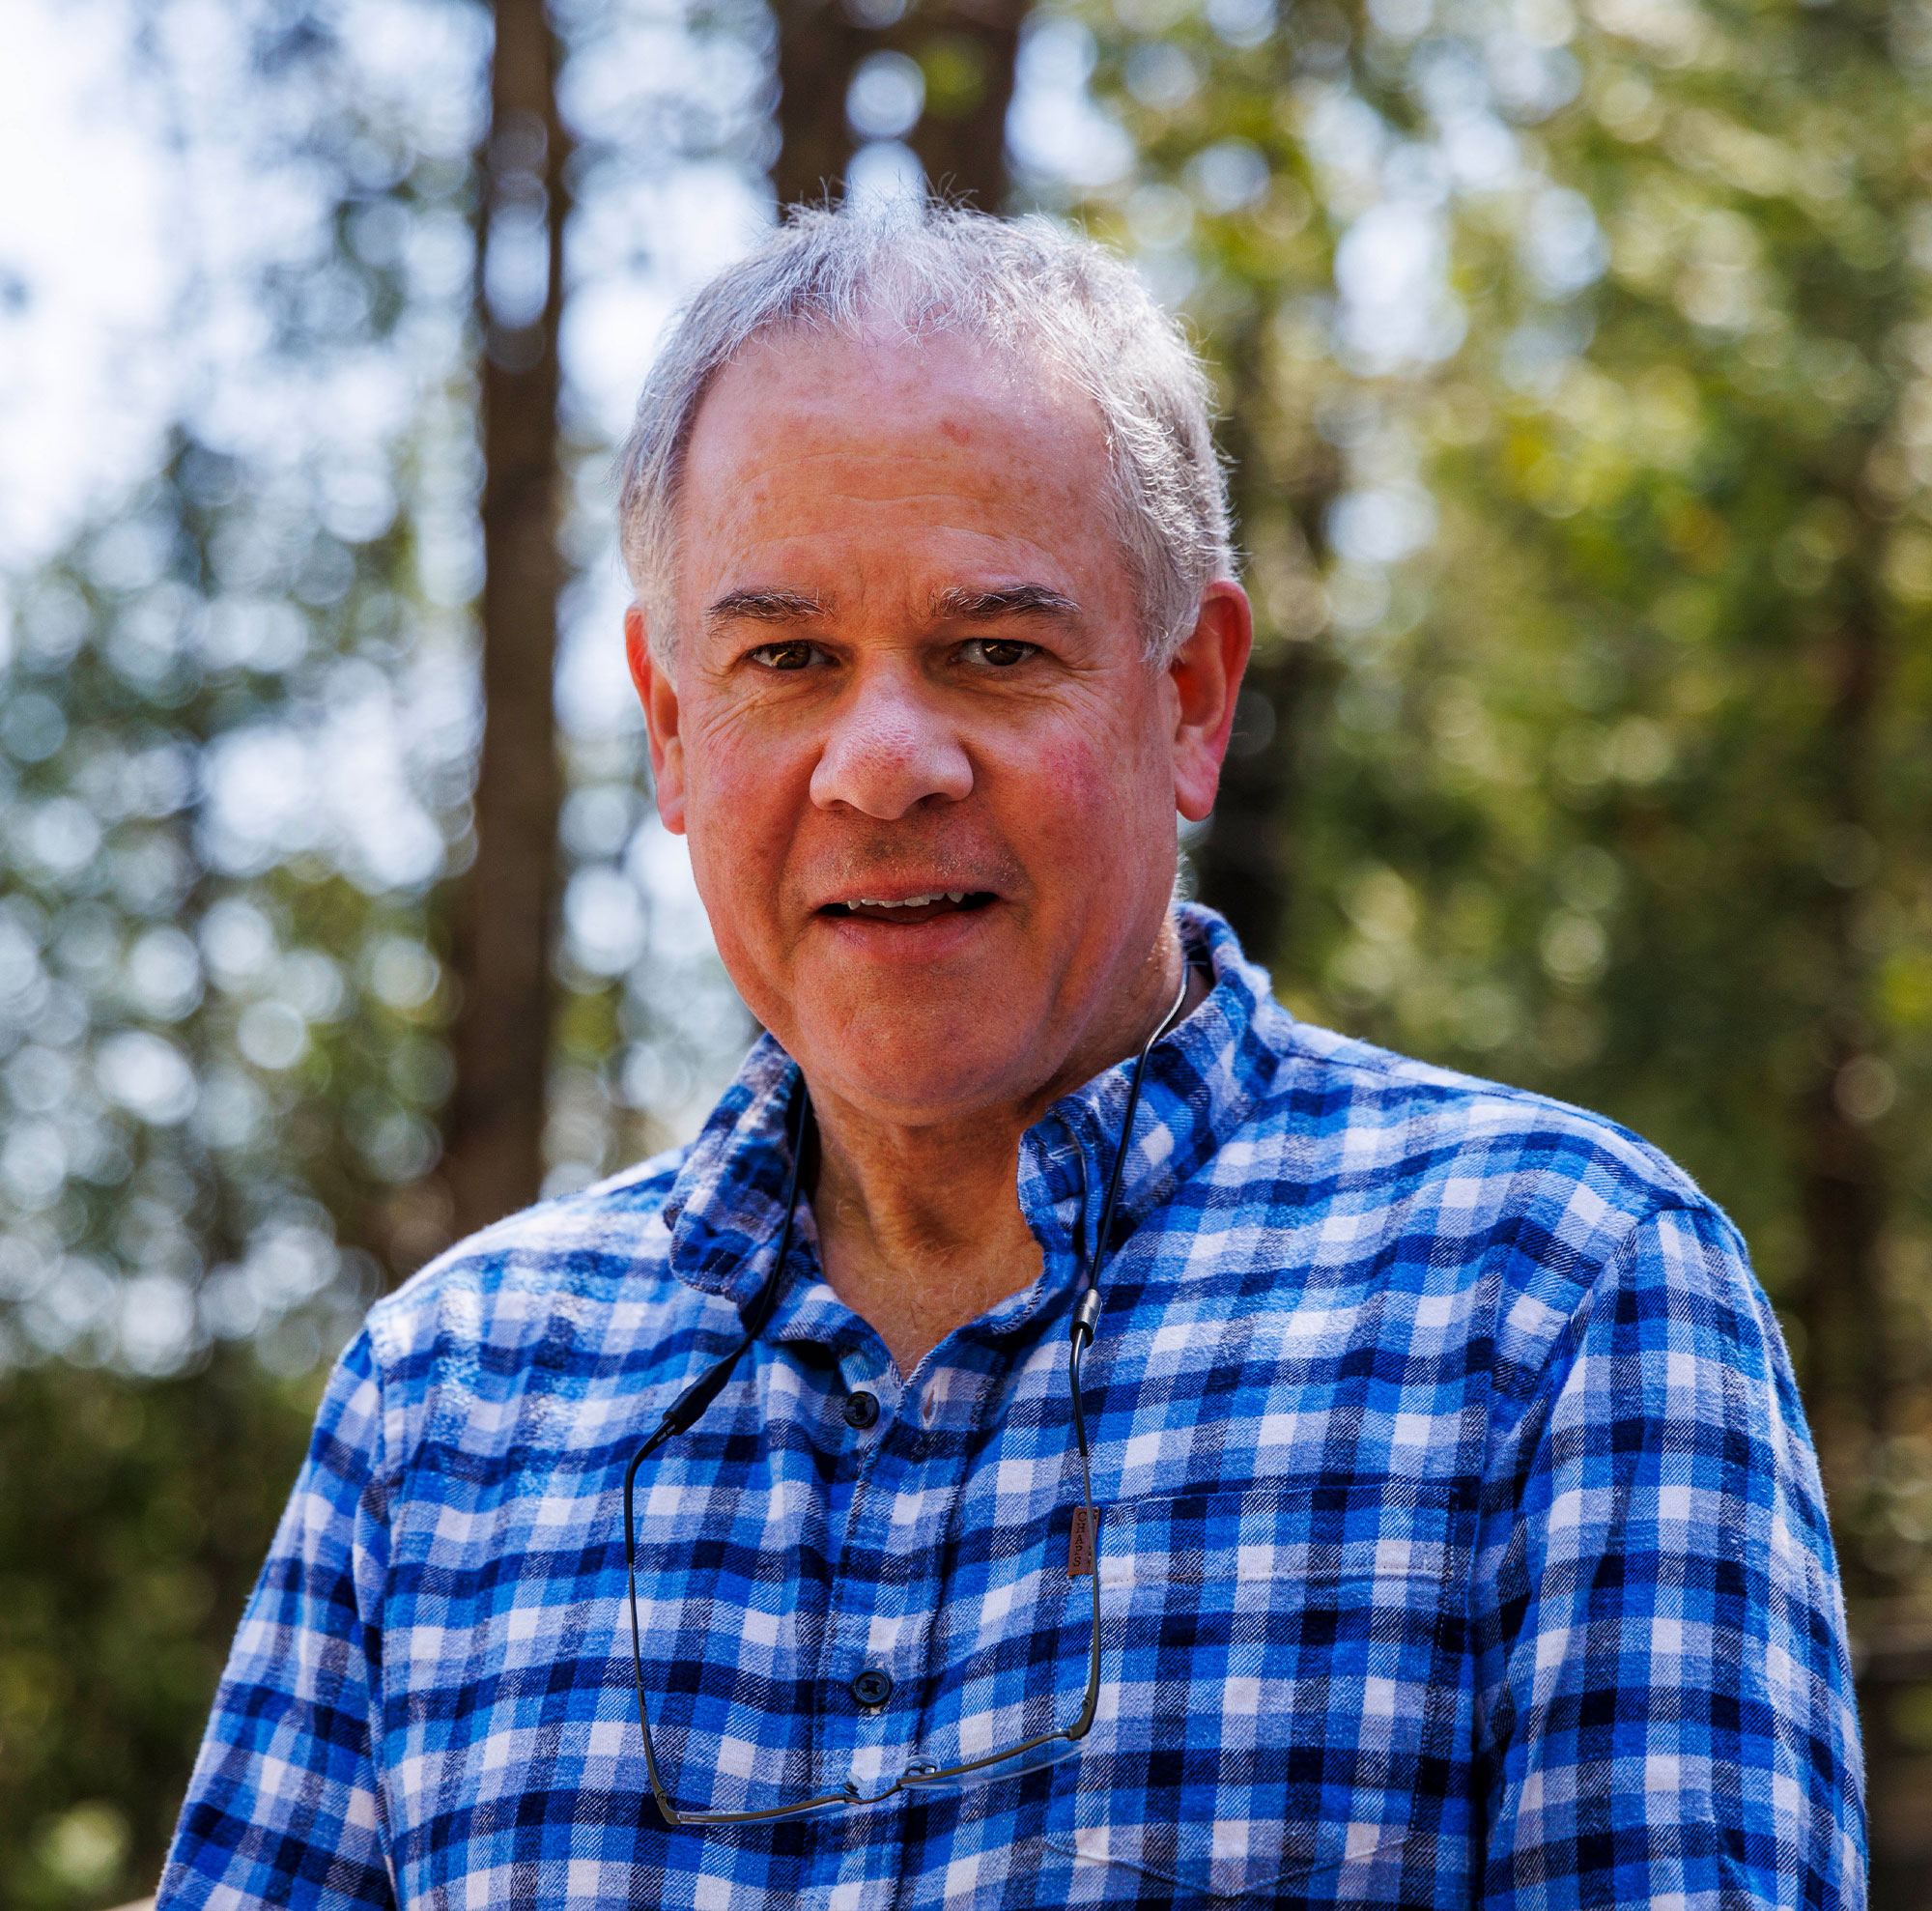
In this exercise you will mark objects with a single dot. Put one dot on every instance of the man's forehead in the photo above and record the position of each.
(934, 356)
(955, 386)
(829, 476)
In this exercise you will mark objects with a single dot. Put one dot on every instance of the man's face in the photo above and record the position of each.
(929, 780)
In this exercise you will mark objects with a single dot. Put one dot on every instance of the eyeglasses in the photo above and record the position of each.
(920, 1775)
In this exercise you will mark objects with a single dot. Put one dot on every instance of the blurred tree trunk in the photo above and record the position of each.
(1842, 1174)
(1282, 480)
(819, 51)
(1242, 865)
(967, 52)
(494, 1131)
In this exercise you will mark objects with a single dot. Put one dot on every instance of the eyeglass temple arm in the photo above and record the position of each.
(1087, 1309)
(1086, 1318)
(1079, 1729)
(683, 1413)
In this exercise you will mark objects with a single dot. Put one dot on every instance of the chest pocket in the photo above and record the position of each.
(1285, 1693)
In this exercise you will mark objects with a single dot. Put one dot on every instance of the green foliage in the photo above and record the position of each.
(1605, 593)
(216, 1069)
(1612, 773)
(1578, 378)
(221, 1012)
(131, 1528)
(238, 717)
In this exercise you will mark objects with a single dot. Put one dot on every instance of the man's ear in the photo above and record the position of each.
(1206, 675)
(657, 690)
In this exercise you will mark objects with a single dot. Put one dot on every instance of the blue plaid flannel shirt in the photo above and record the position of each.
(1462, 1543)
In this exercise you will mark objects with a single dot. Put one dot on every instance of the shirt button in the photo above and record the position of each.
(862, 1410)
(872, 1687)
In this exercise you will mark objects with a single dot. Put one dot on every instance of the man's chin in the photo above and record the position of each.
(933, 1099)
(920, 1055)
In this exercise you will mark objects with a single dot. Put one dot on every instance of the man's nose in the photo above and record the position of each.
(890, 750)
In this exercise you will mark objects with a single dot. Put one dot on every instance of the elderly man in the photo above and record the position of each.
(1065, 1433)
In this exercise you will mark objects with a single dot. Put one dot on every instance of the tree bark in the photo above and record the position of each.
(967, 49)
(1243, 865)
(1841, 1171)
(494, 1159)
(819, 49)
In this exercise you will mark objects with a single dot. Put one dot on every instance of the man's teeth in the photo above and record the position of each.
(909, 901)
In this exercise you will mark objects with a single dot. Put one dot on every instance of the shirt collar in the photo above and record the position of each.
(1203, 1079)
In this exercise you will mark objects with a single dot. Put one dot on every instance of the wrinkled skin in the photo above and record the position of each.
(906, 664)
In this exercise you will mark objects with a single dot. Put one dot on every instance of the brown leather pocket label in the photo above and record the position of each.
(1081, 1543)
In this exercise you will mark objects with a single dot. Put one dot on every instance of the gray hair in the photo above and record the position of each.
(1026, 286)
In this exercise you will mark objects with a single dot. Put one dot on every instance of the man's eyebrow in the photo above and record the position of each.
(1020, 600)
(763, 607)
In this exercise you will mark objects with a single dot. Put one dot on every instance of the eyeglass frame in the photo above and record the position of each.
(684, 1412)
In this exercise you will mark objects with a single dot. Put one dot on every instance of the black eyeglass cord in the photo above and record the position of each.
(683, 1412)
(1087, 1307)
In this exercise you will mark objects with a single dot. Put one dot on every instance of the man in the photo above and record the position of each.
(1456, 1537)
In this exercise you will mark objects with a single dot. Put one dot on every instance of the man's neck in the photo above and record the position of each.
(920, 1226)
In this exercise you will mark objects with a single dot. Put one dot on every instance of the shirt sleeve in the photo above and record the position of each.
(284, 1807)
(1664, 1693)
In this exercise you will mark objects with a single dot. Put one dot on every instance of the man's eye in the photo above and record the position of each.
(1001, 652)
(795, 655)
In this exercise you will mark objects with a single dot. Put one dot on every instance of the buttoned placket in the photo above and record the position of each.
(874, 1631)
(911, 1472)
(913, 1458)
(904, 1488)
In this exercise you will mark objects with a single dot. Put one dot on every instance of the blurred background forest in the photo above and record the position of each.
(1576, 358)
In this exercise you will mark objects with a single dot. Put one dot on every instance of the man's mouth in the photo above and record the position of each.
(906, 910)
